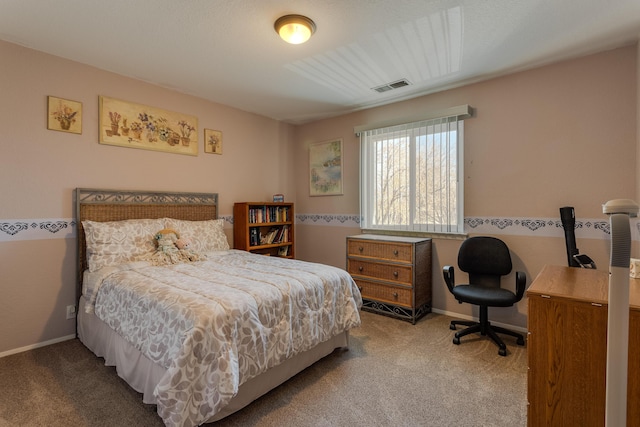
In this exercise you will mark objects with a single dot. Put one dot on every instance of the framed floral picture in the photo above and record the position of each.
(126, 124)
(325, 168)
(212, 141)
(64, 115)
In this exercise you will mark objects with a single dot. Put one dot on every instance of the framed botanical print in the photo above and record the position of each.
(131, 125)
(212, 141)
(64, 115)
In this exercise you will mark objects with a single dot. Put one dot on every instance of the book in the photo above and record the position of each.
(254, 236)
(283, 251)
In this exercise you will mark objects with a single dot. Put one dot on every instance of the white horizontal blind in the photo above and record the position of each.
(410, 177)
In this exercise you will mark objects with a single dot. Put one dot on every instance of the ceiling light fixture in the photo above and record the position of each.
(295, 29)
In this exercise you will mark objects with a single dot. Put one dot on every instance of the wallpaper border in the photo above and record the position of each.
(37, 229)
(587, 228)
(593, 228)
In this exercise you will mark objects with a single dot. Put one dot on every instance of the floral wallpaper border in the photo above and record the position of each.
(37, 229)
(541, 227)
(588, 228)
(333, 220)
(51, 228)
(597, 228)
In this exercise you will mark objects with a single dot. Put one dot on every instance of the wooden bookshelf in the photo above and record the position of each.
(265, 228)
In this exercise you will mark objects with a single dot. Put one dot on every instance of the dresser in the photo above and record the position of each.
(393, 274)
(567, 348)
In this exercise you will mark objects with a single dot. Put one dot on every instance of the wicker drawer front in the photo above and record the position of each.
(394, 272)
(381, 250)
(385, 293)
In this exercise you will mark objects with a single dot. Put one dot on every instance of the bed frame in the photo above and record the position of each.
(116, 205)
(138, 371)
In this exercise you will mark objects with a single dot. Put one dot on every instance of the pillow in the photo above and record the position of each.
(117, 242)
(206, 236)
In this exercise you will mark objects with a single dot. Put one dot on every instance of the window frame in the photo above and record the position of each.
(367, 163)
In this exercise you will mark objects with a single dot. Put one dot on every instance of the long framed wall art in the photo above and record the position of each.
(127, 124)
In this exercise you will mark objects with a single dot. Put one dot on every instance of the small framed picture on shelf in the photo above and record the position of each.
(278, 198)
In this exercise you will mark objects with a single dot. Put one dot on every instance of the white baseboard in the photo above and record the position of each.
(37, 345)
(475, 319)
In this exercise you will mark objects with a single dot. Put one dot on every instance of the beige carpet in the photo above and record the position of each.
(393, 374)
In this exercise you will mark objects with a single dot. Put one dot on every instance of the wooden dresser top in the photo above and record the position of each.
(581, 284)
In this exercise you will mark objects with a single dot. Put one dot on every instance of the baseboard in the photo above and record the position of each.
(475, 319)
(37, 345)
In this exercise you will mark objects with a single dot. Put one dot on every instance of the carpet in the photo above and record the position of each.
(394, 373)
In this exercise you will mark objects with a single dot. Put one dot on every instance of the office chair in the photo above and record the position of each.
(486, 260)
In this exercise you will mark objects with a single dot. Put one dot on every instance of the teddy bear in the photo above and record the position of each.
(183, 243)
(171, 249)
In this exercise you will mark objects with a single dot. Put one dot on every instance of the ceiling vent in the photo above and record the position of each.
(391, 86)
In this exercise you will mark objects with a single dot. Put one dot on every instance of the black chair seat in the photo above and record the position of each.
(494, 297)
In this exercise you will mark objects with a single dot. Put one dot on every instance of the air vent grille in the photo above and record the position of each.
(391, 86)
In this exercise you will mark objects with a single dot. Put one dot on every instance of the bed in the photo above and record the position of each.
(202, 335)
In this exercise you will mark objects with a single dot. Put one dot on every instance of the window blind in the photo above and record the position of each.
(411, 176)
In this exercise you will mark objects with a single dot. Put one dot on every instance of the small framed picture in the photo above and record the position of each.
(278, 198)
(212, 141)
(64, 115)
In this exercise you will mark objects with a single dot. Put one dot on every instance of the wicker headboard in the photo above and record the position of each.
(116, 205)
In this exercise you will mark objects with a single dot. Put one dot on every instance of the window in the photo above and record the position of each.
(411, 176)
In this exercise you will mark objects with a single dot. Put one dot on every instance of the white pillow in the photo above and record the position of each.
(206, 236)
(116, 242)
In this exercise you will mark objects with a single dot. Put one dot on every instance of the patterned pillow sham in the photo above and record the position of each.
(206, 236)
(116, 242)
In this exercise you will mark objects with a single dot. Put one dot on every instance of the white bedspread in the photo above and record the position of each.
(215, 324)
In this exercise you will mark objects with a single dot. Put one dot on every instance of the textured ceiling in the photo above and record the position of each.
(228, 52)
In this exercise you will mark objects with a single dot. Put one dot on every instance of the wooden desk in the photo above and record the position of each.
(567, 348)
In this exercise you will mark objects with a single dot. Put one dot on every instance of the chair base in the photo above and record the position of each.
(484, 327)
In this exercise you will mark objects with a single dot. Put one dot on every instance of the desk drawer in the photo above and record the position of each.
(385, 293)
(394, 272)
(381, 250)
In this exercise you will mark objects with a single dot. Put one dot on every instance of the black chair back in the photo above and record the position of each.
(485, 259)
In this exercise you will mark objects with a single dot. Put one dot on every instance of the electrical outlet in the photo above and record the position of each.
(71, 311)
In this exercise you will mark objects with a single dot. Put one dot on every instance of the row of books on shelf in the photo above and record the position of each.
(273, 236)
(269, 214)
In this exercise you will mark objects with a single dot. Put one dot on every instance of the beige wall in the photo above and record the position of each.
(560, 135)
(39, 169)
(539, 140)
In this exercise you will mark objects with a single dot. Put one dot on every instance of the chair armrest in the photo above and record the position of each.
(449, 277)
(521, 283)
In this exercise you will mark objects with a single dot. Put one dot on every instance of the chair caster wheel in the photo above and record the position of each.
(456, 340)
(452, 327)
(502, 352)
(520, 341)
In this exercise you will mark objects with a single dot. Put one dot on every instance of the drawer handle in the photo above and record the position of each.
(395, 274)
(395, 252)
(395, 295)
(360, 288)
(360, 268)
